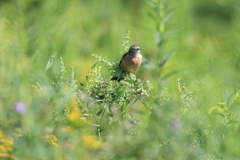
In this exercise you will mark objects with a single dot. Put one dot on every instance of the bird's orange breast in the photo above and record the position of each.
(131, 64)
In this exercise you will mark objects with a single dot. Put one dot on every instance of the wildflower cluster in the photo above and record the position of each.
(227, 111)
(6, 144)
(186, 96)
(51, 139)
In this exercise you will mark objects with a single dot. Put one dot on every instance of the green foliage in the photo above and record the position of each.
(113, 98)
(161, 15)
(227, 111)
(51, 110)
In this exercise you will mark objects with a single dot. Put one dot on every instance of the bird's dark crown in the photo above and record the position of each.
(134, 47)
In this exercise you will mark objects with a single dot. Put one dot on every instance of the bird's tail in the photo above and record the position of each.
(118, 79)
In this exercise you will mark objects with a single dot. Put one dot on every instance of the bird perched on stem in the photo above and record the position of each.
(130, 62)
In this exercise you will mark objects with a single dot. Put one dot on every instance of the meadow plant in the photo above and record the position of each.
(49, 114)
(113, 99)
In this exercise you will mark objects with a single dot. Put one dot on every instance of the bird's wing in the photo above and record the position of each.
(125, 55)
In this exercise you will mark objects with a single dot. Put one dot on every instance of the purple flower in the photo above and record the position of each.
(176, 125)
(135, 122)
(19, 107)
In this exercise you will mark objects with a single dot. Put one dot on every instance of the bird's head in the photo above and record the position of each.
(135, 49)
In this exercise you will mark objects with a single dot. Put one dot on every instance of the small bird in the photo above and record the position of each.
(130, 61)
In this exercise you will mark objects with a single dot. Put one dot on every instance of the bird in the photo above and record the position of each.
(130, 62)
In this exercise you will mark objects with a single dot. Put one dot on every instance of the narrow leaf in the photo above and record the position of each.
(158, 37)
(170, 33)
(166, 58)
(149, 58)
(167, 76)
(49, 64)
(229, 99)
(153, 17)
(153, 5)
(149, 66)
(167, 17)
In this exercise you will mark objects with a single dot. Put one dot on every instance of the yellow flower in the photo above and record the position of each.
(91, 143)
(51, 139)
(6, 155)
(7, 141)
(5, 145)
(17, 135)
(74, 114)
(5, 148)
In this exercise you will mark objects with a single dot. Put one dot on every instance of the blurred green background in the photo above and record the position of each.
(32, 31)
(35, 32)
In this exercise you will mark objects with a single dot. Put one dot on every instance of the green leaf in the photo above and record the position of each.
(153, 17)
(232, 122)
(167, 17)
(94, 65)
(153, 5)
(147, 57)
(235, 90)
(158, 38)
(172, 32)
(167, 76)
(149, 66)
(49, 64)
(220, 114)
(166, 58)
(229, 99)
